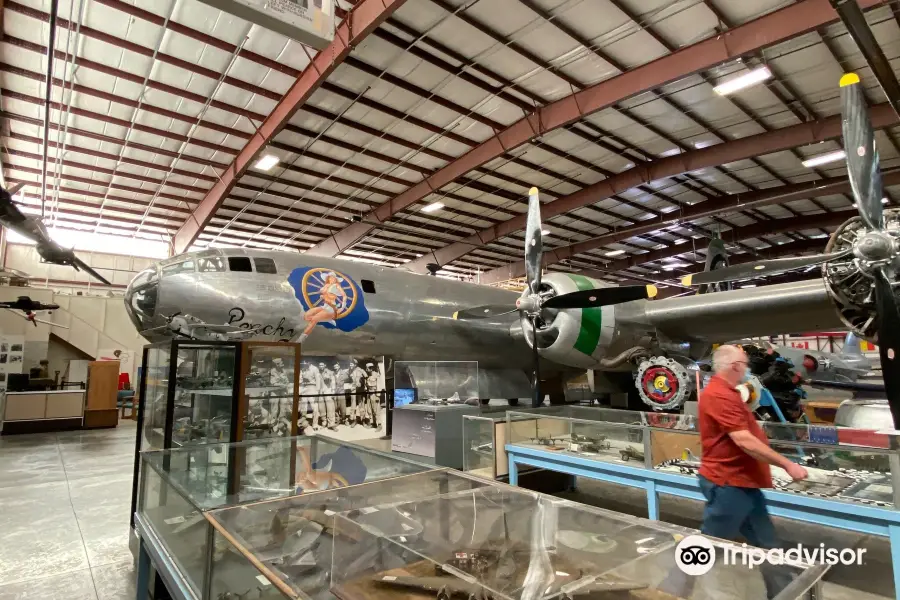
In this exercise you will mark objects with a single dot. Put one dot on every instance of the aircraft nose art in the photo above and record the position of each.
(329, 298)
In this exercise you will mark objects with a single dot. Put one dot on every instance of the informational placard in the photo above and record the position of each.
(12, 353)
(310, 22)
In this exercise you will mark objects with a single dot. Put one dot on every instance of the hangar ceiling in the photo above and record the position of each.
(160, 110)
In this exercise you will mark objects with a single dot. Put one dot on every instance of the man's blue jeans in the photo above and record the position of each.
(732, 512)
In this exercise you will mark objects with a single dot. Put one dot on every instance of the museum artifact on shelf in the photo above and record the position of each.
(844, 464)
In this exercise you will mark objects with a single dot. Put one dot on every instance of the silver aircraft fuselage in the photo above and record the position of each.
(375, 310)
(409, 316)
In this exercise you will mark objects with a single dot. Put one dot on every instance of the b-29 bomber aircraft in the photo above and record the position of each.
(562, 323)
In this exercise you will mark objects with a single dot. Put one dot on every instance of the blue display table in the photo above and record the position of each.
(830, 513)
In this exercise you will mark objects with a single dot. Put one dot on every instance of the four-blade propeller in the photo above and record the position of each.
(874, 251)
(535, 298)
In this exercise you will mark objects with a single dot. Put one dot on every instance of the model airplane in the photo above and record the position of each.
(34, 229)
(560, 326)
(29, 307)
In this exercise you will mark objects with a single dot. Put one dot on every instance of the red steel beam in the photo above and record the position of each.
(756, 145)
(773, 28)
(749, 232)
(362, 20)
(788, 193)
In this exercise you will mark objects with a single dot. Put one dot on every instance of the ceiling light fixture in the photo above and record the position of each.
(885, 200)
(545, 232)
(433, 207)
(266, 162)
(743, 81)
(824, 159)
(615, 253)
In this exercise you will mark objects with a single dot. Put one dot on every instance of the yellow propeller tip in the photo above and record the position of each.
(849, 79)
(533, 191)
(687, 279)
(456, 315)
(652, 291)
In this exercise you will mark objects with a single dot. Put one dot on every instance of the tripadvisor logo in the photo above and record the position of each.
(696, 555)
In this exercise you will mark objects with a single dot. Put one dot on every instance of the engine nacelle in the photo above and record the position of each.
(574, 337)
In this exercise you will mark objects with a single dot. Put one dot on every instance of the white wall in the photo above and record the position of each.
(95, 323)
(59, 354)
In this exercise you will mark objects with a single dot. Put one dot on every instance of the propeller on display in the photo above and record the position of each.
(874, 251)
(533, 299)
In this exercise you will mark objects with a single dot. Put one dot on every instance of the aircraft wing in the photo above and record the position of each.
(80, 264)
(735, 314)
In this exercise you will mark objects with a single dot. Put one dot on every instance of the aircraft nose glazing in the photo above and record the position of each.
(141, 298)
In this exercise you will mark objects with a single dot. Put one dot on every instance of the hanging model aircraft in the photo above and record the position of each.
(34, 229)
(562, 323)
(29, 307)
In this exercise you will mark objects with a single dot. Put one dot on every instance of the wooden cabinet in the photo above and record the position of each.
(102, 387)
(40, 411)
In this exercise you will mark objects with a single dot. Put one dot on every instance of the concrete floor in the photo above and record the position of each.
(64, 504)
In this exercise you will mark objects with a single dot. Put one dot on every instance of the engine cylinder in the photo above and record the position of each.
(849, 281)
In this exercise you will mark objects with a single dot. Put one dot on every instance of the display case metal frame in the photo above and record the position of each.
(239, 401)
(172, 347)
(841, 514)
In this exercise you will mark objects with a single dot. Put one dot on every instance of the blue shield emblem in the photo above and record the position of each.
(329, 298)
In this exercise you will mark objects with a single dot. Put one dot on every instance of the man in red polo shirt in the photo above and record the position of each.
(734, 464)
(734, 468)
(735, 457)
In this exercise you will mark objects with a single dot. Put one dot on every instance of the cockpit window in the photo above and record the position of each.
(212, 264)
(185, 266)
(145, 276)
(239, 263)
(265, 265)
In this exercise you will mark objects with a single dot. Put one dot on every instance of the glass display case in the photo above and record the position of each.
(479, 441)
(189, 394)
(438, 382)
(270, 387)
(205, 392)
(507, 543)
(179, 488)
(844, 464)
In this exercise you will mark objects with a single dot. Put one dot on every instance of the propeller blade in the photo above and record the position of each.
(760, 267)
(601, 297)
(483, 312)
(888, 341)
(537, 399)
(862, 154)
(534, 242)
(15, 189)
